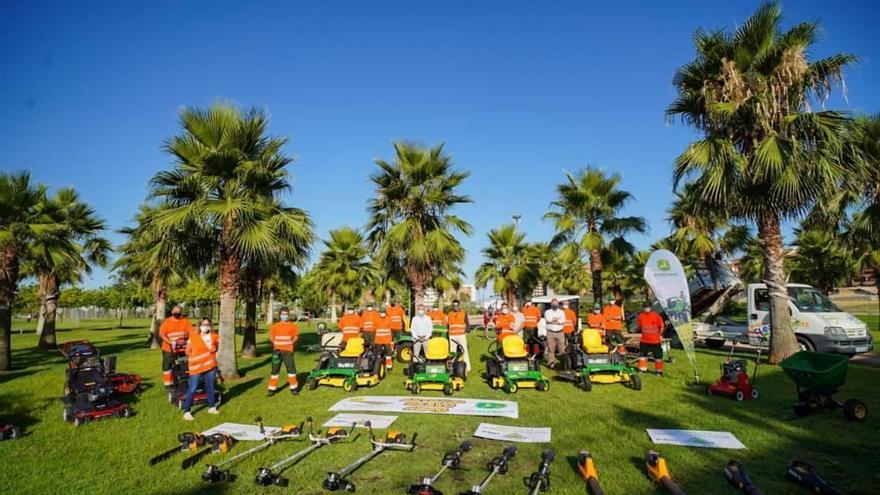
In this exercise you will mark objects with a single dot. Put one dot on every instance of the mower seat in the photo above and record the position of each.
(437, 350)
(513, 347)
(591, 339)
(353, 348)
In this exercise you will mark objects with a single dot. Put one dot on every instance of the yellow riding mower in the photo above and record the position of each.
(593, 363)
(512, 367)
(350, 367)
(439, 370)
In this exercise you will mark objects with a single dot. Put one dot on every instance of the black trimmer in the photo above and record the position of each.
(272, 474)
(214, 472)
(539, 481)
(497, 465)
(187, 441)
(393, 441)
(804, 474)
(588, 470)
(451, 460)
(658, 472)
(736, 476)
(218, 442)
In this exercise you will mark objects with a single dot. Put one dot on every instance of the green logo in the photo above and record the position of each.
(664, 265)
(490, 405)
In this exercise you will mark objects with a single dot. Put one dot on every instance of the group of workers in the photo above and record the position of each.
(382, 328)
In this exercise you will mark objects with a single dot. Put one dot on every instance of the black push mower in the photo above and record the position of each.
(451, 460)
(272, 474)
(539, 481)
(214, 472)
(497, 465)
(338, 480)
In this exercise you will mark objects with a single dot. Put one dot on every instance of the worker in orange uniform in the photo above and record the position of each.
(283, 335)
(201, 349)
(438, 317)
(596, 319)
(396, 313)
(530, 328)
(458, 325)
(384, 337)
(173, 329)
(350, 324)
(572, 323)
(504, 323)
(651, 325)
(369, 317)
(613, 314)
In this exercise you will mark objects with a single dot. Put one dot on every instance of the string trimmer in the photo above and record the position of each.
(497, 465)
(451, 460)
(393, 441)
(218, 442)
(185, 441)
(658, 472)
(736, 476)
(271, 475)
(805, 475)
(588, 470)
(539, 481)
(213, 473)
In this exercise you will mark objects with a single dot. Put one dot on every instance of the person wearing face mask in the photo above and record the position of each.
(458, 332)
(172, 329)
(421, 327)
(396, 314)
(596, 319)
(504, 323)
(651, 326)
(201, 349)
(369, 321)
(383, 336)
(283, 335)
(519, 319)
(555, 320)
(613, 314)
(438, 317)
(572, 322)
(532, 315)
(350, 324)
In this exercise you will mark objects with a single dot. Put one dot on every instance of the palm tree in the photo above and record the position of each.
(765, 155)
(228, 175)
(824, 258)
(411, 223)
(561, 269)
(587, 213)
(864, 229)
(344, 269)
(510, 264)
(21, 220)
(62, 256)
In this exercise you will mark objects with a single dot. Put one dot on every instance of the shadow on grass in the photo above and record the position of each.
(17, 410)
(204, 489)
(239, 387)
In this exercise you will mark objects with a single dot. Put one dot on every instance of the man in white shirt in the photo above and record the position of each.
(421, 327)
(519, 320)
(555, 319)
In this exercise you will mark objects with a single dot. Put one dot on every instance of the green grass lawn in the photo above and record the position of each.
(111, 456)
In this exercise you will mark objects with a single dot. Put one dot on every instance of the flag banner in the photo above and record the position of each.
(243, 433)
(513, 433)
(345, 420)
(425, 405)
(667, 279)
(696, 438)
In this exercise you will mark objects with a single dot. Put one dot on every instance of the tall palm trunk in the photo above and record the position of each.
(418, 294)
(50, 293)
(251, 295)
(511, 296)
(269, 300)
(783, 342)
(230, 270)
(333, 316)
(8, 284)
(160, 295)
(596, 269)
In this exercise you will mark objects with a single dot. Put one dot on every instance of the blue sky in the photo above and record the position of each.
(518, 91)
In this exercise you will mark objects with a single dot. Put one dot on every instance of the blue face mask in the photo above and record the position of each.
(554, 306)
(285, 317)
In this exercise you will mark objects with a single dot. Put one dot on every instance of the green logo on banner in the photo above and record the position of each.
(664, 265)
(490, 405)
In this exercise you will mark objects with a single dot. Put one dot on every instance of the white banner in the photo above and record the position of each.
(667, 279)
(696, 438)
(513, 433)
(345, 420)
(242, 433)
(429, 405)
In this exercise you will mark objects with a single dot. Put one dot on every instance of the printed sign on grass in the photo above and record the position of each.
(513, 433)
(428, 405)
(345, 420)
(696, 438)
(242, 433)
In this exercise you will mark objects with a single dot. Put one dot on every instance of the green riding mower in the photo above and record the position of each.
(439, 370)
(352, 366)
(511, 367)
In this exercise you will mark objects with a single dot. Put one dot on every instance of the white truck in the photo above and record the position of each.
(818, 324)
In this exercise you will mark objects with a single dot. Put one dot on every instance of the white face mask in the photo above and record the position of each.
(284, 317)
(505, 310)
(421, 312)
(369, 308)
(515, 309)
(205, 328)
(350, 312)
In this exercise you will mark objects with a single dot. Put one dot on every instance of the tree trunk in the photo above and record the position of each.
(387, 297)
(49, 289)
(511, 296)
(333, 315)
(418, 294)
(8, 284)
(230, 269)
(270, 307)
(596, 269)
(41, 314)
(160, 294)
(783, 342)
(251, 293)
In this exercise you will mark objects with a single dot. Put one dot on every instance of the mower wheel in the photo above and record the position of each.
(801, 409)
(565, 362)
(65, 414)
(381, 371)
(350, 385)
(739, 396)
(586, 383)
(492, 372)
(311, 383)
(635, 381)
(459, 369)
(510, 387)
(448, 389)
(171, 397)
(542, 386)
(754, 393)
(77, 421)
(15, 434)
(405, 353)
(708, 389)
(126, 413)
(855, 410)
(180, 404)
(415, 388)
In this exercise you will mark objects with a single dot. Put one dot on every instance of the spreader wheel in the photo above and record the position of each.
(855, 410)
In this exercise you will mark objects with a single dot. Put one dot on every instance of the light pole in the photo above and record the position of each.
(516, 218)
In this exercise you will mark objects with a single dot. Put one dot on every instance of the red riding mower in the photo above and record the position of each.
(88, 392)
(83, 354)
(735, 381)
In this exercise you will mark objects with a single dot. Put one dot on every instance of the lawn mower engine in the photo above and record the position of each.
(734, 382)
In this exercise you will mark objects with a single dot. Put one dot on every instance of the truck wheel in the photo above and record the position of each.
(805, 344)
(855, 410)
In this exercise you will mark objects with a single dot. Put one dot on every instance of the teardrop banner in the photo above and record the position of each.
(665, 275)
